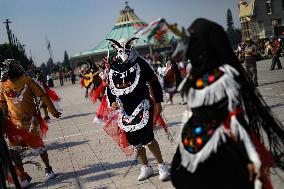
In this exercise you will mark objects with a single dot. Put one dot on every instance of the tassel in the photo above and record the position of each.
(82, 83)
(18, 136)
(266, 160)
(103, 110)
(52, 94)
(159, 120)
(95, 93)
(123, 140)
(43, 125)
(118, 135)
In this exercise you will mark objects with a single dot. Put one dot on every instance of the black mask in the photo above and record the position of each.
(209, 46)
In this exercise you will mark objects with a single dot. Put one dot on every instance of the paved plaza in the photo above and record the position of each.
(83, 156)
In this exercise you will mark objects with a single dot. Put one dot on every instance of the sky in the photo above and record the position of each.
(79, 25)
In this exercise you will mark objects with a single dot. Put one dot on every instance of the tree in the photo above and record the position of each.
(230, 22)
(11, 51)
(49, 65)
(56, 67)
(66, 62)
(234, 34)
(44, 69)
(235, 37)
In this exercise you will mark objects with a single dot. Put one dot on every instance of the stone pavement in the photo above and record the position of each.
(83, 156)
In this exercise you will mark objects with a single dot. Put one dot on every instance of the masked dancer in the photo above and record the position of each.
(24, 126)
(128, 93)
(218, 147)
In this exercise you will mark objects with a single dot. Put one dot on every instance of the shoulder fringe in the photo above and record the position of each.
(240, 133)
(191, 161)
(224, 86)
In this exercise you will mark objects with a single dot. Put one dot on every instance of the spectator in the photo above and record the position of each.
(73, 77)
(250, 60)
(276, 53)
(49, 80)
(61, 77)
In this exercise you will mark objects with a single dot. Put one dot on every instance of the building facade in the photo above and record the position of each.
(259, 18)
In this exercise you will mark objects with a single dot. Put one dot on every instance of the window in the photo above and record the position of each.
(283, 5)
(276, 22)
(260, 26)
(261, 30)
(269, 6)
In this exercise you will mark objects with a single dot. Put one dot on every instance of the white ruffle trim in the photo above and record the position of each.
(145, 106)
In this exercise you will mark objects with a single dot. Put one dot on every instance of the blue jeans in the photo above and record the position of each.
(276, 60)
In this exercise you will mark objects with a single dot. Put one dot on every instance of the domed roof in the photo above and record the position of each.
(126, 26)
(127, 15)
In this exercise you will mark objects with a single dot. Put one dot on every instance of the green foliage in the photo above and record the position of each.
(66, 62)
(230, 22)
(12, 51)
(49, 65)
(234, 34)
(235, 37)
(44, 69)
(56, 67)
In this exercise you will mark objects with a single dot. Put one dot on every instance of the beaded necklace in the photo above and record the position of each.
(208, 78)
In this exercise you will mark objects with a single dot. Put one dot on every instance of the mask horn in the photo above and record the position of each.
(115, 43)
(128, 44)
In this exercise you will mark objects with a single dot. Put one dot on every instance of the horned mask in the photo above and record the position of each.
(124, 49)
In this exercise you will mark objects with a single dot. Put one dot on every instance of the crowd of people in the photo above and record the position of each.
(224, 127)
(250, 52)
(265, 48)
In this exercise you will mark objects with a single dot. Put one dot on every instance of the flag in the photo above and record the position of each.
(155, 29)
(140, 25)
(48, 45)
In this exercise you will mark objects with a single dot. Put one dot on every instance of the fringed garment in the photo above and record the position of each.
(214, 146)
(128, 87)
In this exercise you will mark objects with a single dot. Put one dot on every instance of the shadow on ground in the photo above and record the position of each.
(171, 124)
(77, 115)
(64, 178)
(62, 146)
(269, 83)
(277, 105)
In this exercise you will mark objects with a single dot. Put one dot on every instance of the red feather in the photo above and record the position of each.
(266, 161)
(20, 136)
(52, 94)
(95, 93)
(82, 83)
(43, 125)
